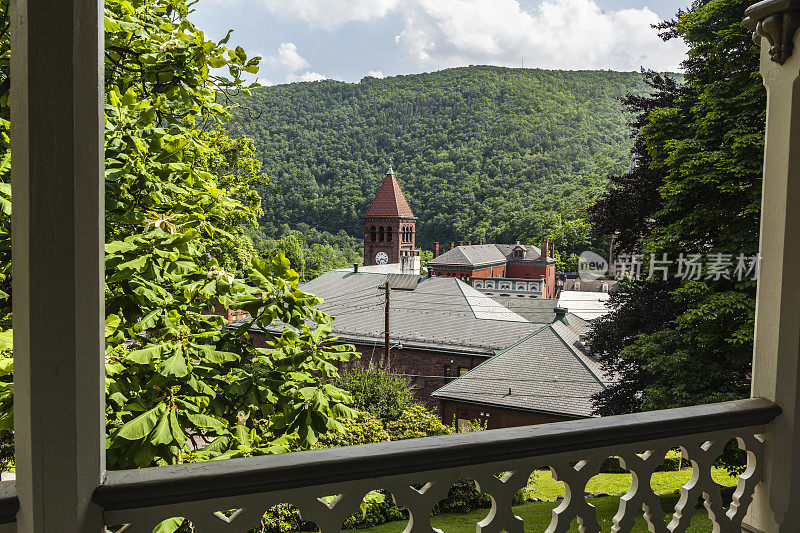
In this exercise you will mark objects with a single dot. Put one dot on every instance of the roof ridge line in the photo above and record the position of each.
(524, 339)
(495, 356)
(576, 356)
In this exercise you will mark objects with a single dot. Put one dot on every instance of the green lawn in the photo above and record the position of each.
(543, 487)
(537, 517)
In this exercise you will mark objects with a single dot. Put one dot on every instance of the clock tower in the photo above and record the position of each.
(389, 225)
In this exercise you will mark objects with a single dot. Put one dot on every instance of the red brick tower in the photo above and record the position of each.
(389, 225)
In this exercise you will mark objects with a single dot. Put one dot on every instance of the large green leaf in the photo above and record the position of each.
(206, 422)
(175, 366)
(162, 433)
(145, 355)
(171, 525)
(142, 425)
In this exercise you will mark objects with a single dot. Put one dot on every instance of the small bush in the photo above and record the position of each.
(463, 497)
(283, 518)
(377, 391)
(415, 422)
(377, 514)
(363, 429)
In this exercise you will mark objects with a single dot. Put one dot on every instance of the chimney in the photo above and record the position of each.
(435, 250)
(545, 248)
(469, 243)
(355, 268)
(452, 245)
(480, 243)
(461, 243)
(552, 249)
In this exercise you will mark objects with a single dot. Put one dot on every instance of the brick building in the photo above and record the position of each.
(390, 226)
(501, 268)
(544, 378)
(440, 329)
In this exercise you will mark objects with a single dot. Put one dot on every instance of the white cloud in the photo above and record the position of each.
(288, 62)
(264, 82)
(306, 76)
(573, 34)
(375, 73)
(569, 34)
(330, 14)
(287, 59)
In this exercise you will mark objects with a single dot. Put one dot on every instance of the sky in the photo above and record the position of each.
(311, 40)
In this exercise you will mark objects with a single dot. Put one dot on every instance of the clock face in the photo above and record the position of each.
(381, 258)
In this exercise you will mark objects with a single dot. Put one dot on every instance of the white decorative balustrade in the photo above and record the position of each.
(419, 473)
(527, 287)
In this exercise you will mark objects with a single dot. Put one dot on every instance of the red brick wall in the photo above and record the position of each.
(550, 282)
(534, 272)
(416, 362)
(497, 418)
(393, 247)
(466, 276)
(525, 272)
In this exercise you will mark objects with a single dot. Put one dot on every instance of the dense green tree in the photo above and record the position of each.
(699, 147)
(176, 380)
(482, 153)
(312, 251)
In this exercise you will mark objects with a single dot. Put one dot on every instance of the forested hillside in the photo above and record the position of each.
(481, 152)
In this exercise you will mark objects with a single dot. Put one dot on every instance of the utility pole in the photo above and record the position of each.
(386, 329)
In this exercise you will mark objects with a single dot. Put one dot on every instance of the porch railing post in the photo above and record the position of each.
(776, 358)
(58, 213)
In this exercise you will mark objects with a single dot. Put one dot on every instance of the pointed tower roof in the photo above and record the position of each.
(390, 200)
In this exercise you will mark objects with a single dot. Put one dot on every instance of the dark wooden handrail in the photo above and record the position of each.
(133, 489)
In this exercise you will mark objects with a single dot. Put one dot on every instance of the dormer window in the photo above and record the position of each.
(519, 252)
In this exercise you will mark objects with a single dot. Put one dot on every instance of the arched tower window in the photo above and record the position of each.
(380, 233)
(373, 234)
(389, 233)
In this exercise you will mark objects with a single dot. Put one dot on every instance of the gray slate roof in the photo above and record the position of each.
(477, 254)
(539, 310)
(546, 372)
(486, 254)
(439, 312)
(532, 252)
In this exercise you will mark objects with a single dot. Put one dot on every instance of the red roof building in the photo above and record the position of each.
(500, 268)
(389, 225)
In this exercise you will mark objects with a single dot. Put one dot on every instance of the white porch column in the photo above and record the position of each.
(57, 180)
(777, 337)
